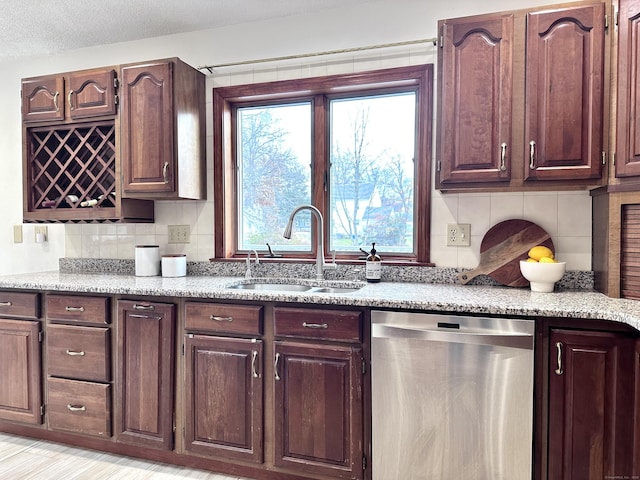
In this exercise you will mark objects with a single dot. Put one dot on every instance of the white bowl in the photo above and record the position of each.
(542, 276)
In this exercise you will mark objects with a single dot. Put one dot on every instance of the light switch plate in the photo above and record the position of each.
(459, 235)
(17, 234)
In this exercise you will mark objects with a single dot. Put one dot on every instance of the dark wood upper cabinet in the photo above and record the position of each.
(628, 90)
(522, 100)
(475, 129)
(163, 131)
(83, 94)
(565, 93)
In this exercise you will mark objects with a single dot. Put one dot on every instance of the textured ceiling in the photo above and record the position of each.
(40, 27)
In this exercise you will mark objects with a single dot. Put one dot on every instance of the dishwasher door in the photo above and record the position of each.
(452, 397)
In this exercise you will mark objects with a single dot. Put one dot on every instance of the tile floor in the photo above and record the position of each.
(28, 459)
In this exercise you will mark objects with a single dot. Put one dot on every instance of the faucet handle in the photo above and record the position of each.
(332, 265)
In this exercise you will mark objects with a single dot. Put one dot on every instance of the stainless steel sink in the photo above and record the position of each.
(334, 290)
(280, 287)
(293, 287)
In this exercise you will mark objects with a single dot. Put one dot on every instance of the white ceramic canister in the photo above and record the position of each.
(147, 260)
(174, 265)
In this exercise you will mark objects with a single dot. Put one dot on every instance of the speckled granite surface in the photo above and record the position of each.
(572, 280)
(397, 295)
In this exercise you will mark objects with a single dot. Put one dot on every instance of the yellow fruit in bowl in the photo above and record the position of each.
(539, 252)
(532, 260)
(547, 260)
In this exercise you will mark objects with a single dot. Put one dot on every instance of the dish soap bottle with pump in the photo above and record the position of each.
(373, 269)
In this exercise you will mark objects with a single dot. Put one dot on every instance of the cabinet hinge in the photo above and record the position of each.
(613, 159)
(183, 349)
(438, 165)
(606, 22)
(116, 99)
(364, 366)
(604, 158)
(42, 410)
(116, 83)
(40, 336)
(616, 16)
(364, 462)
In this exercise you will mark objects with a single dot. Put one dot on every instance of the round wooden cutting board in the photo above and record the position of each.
(502, 248)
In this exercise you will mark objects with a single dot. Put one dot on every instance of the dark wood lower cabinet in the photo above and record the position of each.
(144, 374)
(593, 395)
(223, 397)
(318, 409)
(20, 371)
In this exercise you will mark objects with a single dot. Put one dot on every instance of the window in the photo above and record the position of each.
(357, 147)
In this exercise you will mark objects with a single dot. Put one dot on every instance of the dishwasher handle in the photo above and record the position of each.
(505, 339)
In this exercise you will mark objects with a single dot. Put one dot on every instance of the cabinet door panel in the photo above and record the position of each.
(144, 377)
(147, 128)
(42, 99)
(91, 94)
(628, 95)
(20, 391)
(318, 409)
(475, 136)
(564, 93)
(223, 408)
(589, 405)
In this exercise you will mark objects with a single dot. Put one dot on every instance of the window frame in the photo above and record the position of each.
(320, 90)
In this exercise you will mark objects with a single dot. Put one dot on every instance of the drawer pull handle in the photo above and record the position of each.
(5, 304)
(165, 171)
(314, 325)
(143, 307)
(76, 408)
(275, 366)
(138, 315)
(503, 156)
(254, 361)
(559, 349)
(69, 99)
(74, 309)
(221, 319)
(74, 353)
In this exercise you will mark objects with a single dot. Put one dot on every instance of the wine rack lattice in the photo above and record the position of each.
(72, 166)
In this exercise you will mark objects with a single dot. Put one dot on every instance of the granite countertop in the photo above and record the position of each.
(396, 295)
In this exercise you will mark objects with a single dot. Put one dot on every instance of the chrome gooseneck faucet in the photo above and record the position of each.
(320, 265)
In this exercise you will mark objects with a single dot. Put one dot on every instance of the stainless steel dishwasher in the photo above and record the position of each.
(452, 397)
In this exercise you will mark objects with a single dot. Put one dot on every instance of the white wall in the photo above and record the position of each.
(565, 215)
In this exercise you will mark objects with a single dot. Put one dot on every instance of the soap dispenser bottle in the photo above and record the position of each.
(373, 270)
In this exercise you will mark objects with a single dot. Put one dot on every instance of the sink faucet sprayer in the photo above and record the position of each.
(321, 266)
(247, 274)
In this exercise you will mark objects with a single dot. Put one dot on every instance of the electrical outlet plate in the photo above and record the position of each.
(40, 233)
(179, 234)
(458, 234)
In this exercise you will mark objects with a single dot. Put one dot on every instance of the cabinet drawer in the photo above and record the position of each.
(20, 305)
(223, 317)
(72, 308)
(78, 352)
(80, 407)
(336, 325)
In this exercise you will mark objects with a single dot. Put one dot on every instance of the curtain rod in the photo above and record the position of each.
(433, 40)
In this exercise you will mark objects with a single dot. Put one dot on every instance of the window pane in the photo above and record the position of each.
(274, 174)
(372, 172)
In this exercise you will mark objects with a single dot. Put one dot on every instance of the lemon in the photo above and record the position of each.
(539, 252)
(533, 260)
(547, 260)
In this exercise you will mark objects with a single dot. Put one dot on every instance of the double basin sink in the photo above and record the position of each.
(295, 287)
